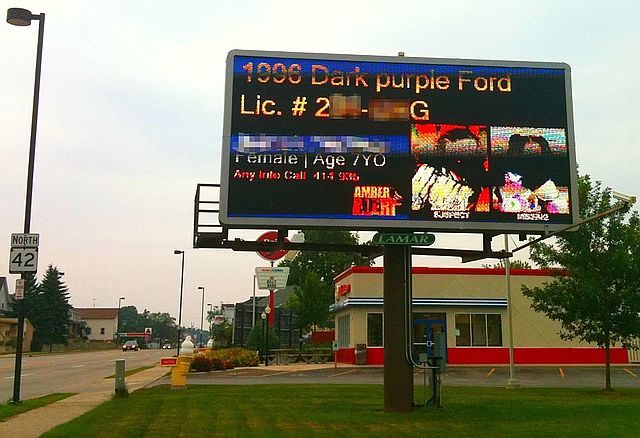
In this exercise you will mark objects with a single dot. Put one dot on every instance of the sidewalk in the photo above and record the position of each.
(34, 423)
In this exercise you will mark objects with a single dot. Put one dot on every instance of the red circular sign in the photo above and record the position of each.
(271, 236)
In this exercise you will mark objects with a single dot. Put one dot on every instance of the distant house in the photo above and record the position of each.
(4, 297)
(77, 327)
(9, 332)
(102, 323)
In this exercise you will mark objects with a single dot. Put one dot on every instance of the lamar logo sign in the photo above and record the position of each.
(425, 239)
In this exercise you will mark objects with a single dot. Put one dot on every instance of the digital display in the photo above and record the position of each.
(362, 142)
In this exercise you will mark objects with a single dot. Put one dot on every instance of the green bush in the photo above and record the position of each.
(201, 363)
(233, 357)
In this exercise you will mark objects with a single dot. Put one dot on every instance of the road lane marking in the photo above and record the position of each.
(343, 373)
(630, 372)
(277, 374)
(561, 372)
(78, 366)
(493, 370)
(21, 375)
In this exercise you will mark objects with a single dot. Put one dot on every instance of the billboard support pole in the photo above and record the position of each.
(398, 373)
(271, 303)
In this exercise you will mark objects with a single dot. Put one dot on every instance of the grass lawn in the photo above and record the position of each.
(348, 410)
(8, 410)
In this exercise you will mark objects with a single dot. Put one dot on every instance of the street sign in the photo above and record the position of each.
(272, 278)
(148, 331)
(19, 294)
(23, 240)
(23, 260)
(168, 361)
(271, 236)
(133, 334)
(409, 239)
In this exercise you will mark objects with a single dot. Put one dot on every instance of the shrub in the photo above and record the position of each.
(233, 357)
(201, 363)
(217, 363)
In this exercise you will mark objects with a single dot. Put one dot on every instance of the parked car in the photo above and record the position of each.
(130, 346)
(167, 347)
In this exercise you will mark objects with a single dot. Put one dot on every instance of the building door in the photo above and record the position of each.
(425, 332)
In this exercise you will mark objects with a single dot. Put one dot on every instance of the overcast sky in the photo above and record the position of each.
(131, 118)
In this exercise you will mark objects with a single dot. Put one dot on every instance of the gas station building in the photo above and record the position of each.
(469, 306)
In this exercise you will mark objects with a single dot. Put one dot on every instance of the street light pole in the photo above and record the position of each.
(210, 306)
(264, 349)
(512, 382)
(267, 311)
(23, 17)
(177, 251)
(201, 316)
(253, 314)
(118, 328)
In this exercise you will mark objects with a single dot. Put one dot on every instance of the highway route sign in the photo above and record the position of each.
(25, 240)
(23, 260)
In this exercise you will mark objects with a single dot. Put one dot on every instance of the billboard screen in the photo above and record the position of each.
(363, 142)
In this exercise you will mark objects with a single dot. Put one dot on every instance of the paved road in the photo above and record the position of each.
(541, 376)
(78, 372)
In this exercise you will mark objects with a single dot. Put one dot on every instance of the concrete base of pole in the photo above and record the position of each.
(513, 383)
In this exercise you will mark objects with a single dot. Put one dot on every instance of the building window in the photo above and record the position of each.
(494, 330)
(374, 330)
(102, 330)
(478, 330)
(463, 330)
(344, 331)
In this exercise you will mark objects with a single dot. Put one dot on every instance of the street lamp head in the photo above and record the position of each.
(20, 17)
(121, 298)
(177, 251)
(200, 287)
(623, 197)
(267, 310)
(263, 316)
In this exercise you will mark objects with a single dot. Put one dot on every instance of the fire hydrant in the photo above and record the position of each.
(180, 371)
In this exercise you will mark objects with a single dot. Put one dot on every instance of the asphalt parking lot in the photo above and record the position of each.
(539, 376)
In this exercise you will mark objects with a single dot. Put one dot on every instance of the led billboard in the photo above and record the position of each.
(363, 142)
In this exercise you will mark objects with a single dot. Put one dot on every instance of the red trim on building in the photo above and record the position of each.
(375, 355)
(453, 271)
(346, 355)
(500, 356)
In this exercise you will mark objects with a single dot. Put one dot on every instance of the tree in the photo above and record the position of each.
(220, 332)
(312, 272)
(597, 297)
(311, 301)
(46, 306)
(130, 320)
(163, 325)
(513, 264)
